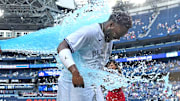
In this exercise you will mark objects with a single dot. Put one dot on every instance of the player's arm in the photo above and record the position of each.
(65, 55)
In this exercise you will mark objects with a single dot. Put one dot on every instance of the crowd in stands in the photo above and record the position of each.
(168, 28)
(152, 70)
(23, 55)
(149, 69)
(26, 77)
(141, 23)
(167, 22)
(38, 61)
(129, 36)
(151, 91)
(24, 73)
(171, 63)
(136, 90)
(125, 55)
(48, 80)
(7, 92)
(44, 61)
(139, 26)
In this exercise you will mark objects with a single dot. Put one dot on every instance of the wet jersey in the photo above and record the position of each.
(89, 42)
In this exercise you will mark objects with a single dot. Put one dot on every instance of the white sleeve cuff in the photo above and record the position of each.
(65, 56)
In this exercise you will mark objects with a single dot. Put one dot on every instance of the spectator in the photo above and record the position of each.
(116, 94)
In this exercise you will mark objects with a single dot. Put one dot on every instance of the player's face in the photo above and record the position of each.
(112, 66)
(115, 32)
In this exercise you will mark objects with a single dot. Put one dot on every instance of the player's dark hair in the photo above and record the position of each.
(122, 18)
(111, 61)
(116, 64)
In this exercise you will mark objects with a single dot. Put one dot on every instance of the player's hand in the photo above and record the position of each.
(77, 80)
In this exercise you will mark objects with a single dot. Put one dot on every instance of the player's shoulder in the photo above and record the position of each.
(89, 30)
(92, 27)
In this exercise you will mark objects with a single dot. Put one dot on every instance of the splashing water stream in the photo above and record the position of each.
(47, 41)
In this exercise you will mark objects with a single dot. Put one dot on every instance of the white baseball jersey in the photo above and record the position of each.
(89, 42)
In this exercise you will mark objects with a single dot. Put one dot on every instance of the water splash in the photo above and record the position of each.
(47, 41)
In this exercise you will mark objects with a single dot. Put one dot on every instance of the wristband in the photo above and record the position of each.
(65, 56)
